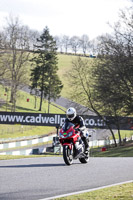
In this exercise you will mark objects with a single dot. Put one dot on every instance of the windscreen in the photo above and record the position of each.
(67, 125)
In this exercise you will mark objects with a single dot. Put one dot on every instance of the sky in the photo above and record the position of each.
(65, 17)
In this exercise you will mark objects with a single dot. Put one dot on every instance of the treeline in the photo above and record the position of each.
(65, 44)
(76, 45)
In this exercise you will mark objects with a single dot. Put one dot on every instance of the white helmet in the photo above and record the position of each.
(71, 113)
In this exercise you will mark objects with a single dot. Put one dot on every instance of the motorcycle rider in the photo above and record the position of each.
(78, 121)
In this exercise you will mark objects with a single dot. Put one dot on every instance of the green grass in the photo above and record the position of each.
(124, 133)
(119, 192)
(120, 151)
(12, 157)
(23, 106)
(64, 65)
(16, 131)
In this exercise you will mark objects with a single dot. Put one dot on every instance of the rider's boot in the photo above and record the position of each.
(85, 140)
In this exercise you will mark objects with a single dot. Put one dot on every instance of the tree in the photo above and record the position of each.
(106, 94)
(32, 38)
(34, 82)
(75, 43)
(3, 66)
(44, 75)
(84, 43)
(66, 42)
(59, 43)
(53, 88)
(113, 74)
(80, 77)
(16, 41)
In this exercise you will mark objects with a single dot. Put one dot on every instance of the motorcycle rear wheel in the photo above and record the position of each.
(68, 157)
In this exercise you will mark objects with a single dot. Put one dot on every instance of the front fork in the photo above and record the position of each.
(71, 146)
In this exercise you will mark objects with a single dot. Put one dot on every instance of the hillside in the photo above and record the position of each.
(65, 64)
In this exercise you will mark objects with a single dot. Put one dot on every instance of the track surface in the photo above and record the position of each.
(38, 178)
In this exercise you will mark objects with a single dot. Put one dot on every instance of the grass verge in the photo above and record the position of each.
(124, 134)
(12, 157)
(119, 192)
(120, 151)
(18, 131)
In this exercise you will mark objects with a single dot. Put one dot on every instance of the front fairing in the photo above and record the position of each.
(67, 130)
(68, 133)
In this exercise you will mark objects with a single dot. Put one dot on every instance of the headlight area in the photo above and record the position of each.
(61, 135)
(65, 135)
(69, 134)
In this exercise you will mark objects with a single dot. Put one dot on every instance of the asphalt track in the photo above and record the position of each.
(45, 177)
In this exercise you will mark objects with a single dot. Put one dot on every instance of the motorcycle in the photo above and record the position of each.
(73, 146)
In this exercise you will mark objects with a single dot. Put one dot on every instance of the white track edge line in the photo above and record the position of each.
(83, 191)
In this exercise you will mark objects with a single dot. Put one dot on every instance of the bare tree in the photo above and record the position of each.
(16, 58)
(81, 81)
(84, 43)
(3, 66)
(59, 43)
(75, 43)
(32, 39)
(66, 42)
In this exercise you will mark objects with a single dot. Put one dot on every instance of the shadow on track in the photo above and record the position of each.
(32, 165)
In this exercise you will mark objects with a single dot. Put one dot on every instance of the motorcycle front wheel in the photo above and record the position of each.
(68, 157)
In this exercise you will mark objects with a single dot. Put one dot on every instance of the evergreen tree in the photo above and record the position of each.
(34, 82)
(44, 75)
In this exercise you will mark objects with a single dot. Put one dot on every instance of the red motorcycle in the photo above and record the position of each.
(73, 146)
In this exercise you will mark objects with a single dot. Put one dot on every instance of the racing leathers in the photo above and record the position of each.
(79, 122)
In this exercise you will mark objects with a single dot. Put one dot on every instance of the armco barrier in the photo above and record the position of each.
(25, 152)
(28, 150)
(23, 143)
